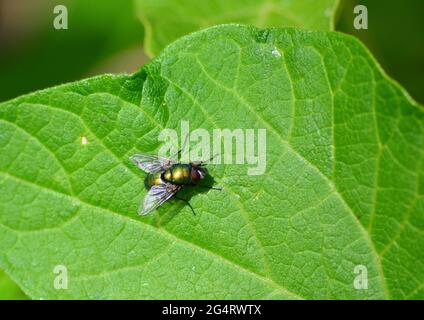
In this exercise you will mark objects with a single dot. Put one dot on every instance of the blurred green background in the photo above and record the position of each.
(107, 36)
(103, 36)
(395, 36)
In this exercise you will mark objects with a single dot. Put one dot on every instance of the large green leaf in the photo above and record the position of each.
(343, 186)
(167, 20)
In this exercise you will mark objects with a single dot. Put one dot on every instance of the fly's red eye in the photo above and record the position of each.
(195, 175)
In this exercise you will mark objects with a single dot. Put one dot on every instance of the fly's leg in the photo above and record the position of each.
(178, 154)
(210, 188)
(205, 187)
(187, 202)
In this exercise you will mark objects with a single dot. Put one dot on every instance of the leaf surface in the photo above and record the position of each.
(343, 186)
(167, 20)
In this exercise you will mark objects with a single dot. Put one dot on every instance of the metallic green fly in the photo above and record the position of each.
(166, 177)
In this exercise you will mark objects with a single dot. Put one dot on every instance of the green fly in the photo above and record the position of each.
(166, 177)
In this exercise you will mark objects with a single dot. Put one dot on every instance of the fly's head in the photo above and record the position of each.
(198, 172)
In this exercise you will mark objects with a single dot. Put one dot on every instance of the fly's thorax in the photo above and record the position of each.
(178, 174)
(152, 179)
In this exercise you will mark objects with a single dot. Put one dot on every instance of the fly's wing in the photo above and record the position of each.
(151, 163)
(157, 195)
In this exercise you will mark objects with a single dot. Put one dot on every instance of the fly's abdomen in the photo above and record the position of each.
(178, 174)
(152, 179)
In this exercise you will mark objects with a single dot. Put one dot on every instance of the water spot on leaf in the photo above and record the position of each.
(328, 12)
(276, 53)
